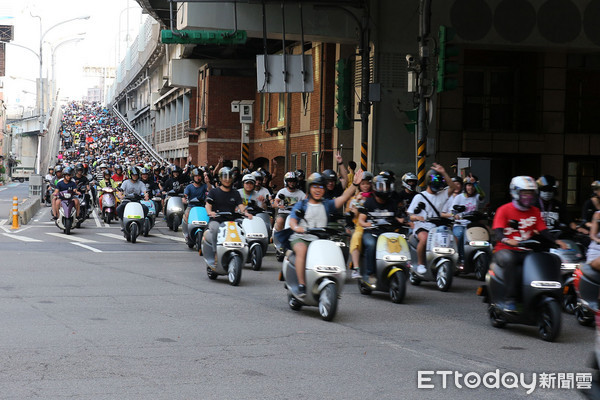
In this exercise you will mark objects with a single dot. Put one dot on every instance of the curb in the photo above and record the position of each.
(27, 210)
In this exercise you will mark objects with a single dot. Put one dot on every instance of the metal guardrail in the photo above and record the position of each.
(153, 153)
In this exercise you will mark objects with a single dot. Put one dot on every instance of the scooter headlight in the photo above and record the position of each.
(546, 284)
(479, 243)
(177, 209)
(255, 235)
(394, 258)
(443, 250)
(67, 195)
(340, 244)
(134, 216)
(327, 269)
(237, 245)
(569, 266)
(199, 223)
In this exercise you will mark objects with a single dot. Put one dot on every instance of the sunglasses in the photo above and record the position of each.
(318, 186)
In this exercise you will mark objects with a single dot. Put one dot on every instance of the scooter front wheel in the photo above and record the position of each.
(443, 276)
(549, 320)
(398, 287)
(496, 318)
(133, 232)
(212, 275)
(234, 270)
(328, 302)
(68, 223)
(414, 279)
(176, 222)
(481, 267)
(362, 288)
(256, 256)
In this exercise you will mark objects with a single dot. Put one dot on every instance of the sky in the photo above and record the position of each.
(106, 28)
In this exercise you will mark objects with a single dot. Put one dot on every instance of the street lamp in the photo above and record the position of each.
(53, 62)
(43, 116)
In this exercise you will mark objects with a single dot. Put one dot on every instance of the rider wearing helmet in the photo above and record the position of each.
(260, 189)
(507, 254)
(118, 176)
(333, 188)
(248, 191)
(365, 188)
(386, 206)
(434, 198)
(132, 186)
(316, 211)
(221, 199)
(195, 190)
(409, 188)
(65, 184)
(553, 211)
(291, 195)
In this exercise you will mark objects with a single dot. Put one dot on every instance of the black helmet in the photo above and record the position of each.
(144, 171)
(547, 183)
(382, 186)
(58, 168)
(435, 181)
(195, 172)
(329, 175)
(225, 173)
(134, 171)
(68, 171)
(106, 172)
(367, 176)
(117, 166)
(79, 167)
(315, 179)
(388, 173)
(300, 174)
(177, 169)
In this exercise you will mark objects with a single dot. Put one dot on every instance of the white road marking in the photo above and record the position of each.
(98, 224)
(3, 221)
(70, 237)
(120, 237)
(21, 238)
(175, 238)
(87, 247)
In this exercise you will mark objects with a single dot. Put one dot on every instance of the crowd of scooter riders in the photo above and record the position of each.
(381, 229)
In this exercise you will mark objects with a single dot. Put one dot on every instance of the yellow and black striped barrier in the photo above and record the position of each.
(421, 158)
(245, 155)
(363, 155)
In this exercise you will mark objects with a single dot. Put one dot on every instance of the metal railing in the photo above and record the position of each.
(153, 153)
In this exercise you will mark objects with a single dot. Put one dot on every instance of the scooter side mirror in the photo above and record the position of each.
(210, 201)
(459, 209)
(300, 214)
(513, 223)
(420, 207)
(281, 196)
(362, 210)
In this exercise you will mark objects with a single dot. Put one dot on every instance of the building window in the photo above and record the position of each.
(281, 107)
(303, 160)
(579, 177)
(293, 161)
(314, 162)
(499, 92)
(582, 101)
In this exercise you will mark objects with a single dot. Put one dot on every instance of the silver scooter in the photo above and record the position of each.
(441, 254)
(477, 244)
(174, 209)
(133, 217)
(325, 274)
(256, 235)
(232, 250)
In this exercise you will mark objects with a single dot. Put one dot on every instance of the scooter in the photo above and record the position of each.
(325, 274)
(66, 211)
(540, 292)
(392, 258)
(109, 204)
(232, 250)
(133, 218)
(150, 219)
(586, 284)
(85, 207)
(257, 236)
(196, 224)
(441, 254)
(477, 245)
(48, 193)
(174, 210)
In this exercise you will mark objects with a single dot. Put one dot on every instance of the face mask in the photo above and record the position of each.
(526, 200)
(546, 196)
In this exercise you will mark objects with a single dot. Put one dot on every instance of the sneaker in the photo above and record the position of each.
(54, 218)
(510, 306)
(460, 265)
(355, 274)
(421, 270)
(301, 291)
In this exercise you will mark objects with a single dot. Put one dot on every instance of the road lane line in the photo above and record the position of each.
(175, 238)
(21, 238)
(73, 238)
(87, 247)
(120, 237)
(98, 224)
(3, 221)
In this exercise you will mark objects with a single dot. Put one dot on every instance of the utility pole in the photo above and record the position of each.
(423, 88)
(365, 105)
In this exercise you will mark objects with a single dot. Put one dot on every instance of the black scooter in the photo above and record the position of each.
(540, 291)
(587, 286)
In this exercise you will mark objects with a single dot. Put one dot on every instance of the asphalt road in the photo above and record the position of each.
(90, 316)
(7, 192)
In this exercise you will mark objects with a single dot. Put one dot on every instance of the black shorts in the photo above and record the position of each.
(420, 230)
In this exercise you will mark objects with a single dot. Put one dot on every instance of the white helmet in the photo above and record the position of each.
(519, 183)
(248, 178)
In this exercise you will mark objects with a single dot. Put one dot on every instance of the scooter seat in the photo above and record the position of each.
(591, 273)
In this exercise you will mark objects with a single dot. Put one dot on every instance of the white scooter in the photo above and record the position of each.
(257, 236)
(133, 218)
(325, 274)
(232, 250)
(441, 255)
